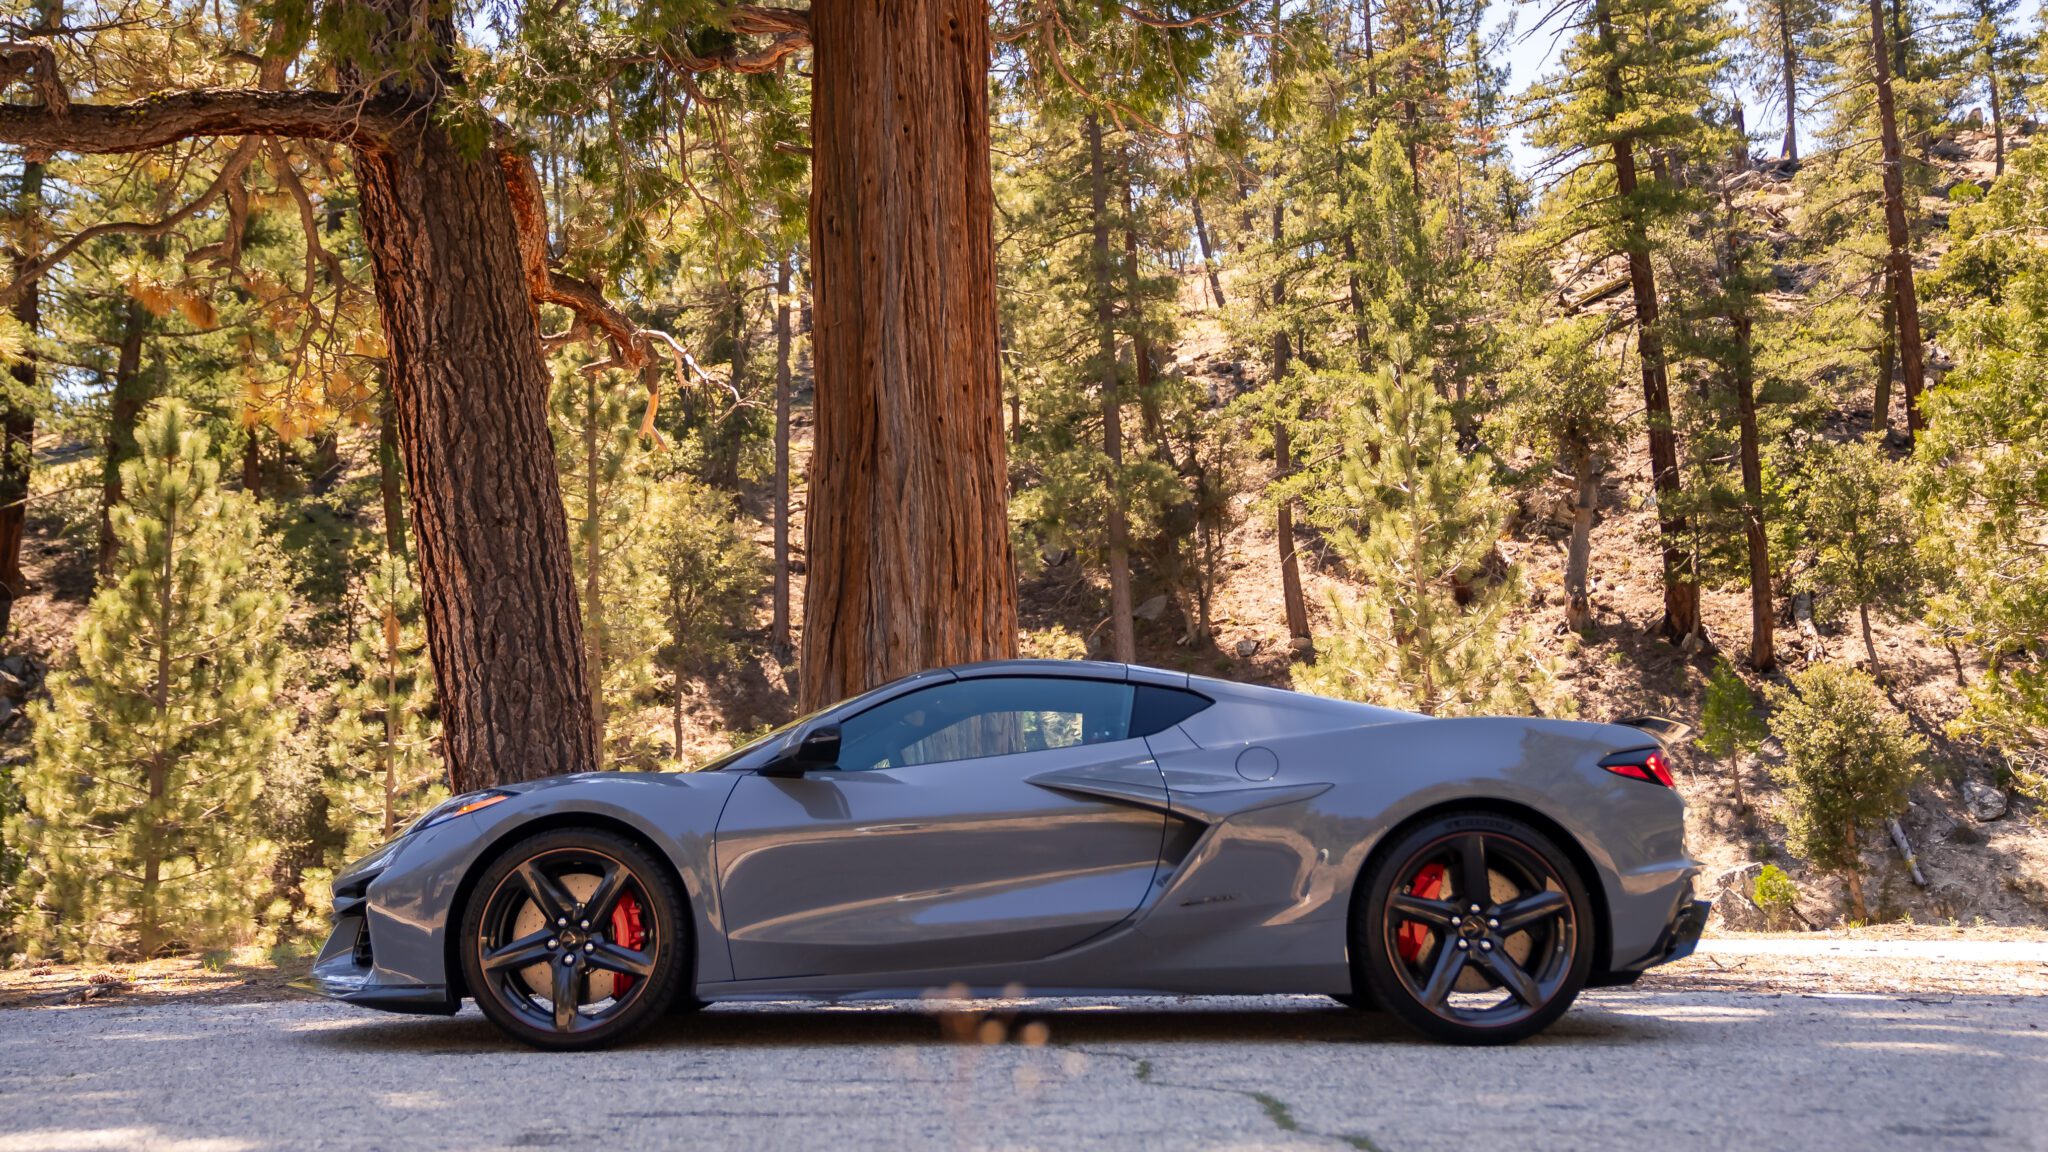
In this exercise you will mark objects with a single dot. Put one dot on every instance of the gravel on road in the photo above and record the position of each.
(1667, 1065)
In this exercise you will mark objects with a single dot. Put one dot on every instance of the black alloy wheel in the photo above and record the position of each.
(1475, 929)
(575, 939)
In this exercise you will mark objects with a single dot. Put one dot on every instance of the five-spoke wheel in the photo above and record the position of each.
(1474, 928)
(574, 939)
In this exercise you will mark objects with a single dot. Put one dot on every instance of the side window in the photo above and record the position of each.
(991, 716)
(1156, 709)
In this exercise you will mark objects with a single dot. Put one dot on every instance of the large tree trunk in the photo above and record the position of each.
(778, 628)
(908, 540)
(470, 390)
(1123, 637)
(18, 419)
(1898, 238)
(133, 391)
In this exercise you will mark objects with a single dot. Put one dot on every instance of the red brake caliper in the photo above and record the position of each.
(1410, 937)
(627, 931)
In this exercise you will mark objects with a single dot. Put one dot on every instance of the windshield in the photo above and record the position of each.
(743, 751)
(739, 753)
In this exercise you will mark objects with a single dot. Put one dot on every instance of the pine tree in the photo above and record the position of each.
(151, 751)
(1730, 728)
(382, 740)
(1849, 759)
(707, 575)
(1781, 38)
(609, 495)
(1862, 534)
(1422, 518)
(1981, 471)
(1558, 400)
(1617, 122)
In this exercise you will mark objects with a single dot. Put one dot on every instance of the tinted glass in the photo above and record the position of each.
(1156, 709)
(994, 716)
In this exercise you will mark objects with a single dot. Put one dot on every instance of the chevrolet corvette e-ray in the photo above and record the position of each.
(1063, 827)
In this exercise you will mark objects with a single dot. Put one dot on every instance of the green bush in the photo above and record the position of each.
(1849, 759)
(1777, 894)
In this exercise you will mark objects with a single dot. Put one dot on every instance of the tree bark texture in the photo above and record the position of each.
(907, 537)
(470, 392)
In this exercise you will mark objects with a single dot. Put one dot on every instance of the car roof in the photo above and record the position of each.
(1072, 669)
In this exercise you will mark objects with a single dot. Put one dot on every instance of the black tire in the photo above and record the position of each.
(1356, 1001)
(1492, 977)
(564, 867)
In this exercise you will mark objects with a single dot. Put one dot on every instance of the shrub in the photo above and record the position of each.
(1777, 894)
(1849, 759)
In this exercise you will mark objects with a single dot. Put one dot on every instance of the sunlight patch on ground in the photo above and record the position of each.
(1688, 1011)
(1927, 1047)
(117, 1140)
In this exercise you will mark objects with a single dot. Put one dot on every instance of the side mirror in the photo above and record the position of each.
(818, 749)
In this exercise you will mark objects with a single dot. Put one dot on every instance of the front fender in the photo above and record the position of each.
(410, 905)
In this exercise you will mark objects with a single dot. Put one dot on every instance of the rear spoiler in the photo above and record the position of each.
(1667, 732)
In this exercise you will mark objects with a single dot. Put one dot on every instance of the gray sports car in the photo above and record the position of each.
(1058, 826)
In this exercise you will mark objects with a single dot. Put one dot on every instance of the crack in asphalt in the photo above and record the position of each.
(1275, 1109)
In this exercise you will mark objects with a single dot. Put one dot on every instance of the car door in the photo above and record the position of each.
(945, 837)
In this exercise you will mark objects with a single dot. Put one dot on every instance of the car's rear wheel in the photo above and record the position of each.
(574, 938)
(1475, 929)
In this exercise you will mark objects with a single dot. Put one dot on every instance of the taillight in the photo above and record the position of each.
(1646, 764)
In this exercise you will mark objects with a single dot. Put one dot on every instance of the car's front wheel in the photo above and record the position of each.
(574, 938)
(1474, 928)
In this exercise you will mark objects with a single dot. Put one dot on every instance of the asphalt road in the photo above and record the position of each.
(1626, 1069)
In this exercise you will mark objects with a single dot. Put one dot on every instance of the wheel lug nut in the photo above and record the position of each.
(561, 921)
(1475, 909)
(1463, 945)
(569, 959)
(1493, 923)
(554, 944)
(590, 947)
(585, 925)
(1486, 945)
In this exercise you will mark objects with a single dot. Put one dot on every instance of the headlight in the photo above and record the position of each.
(455, 806)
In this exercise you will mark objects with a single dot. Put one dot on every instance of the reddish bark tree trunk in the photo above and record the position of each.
(908, 540)
(470, 391)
